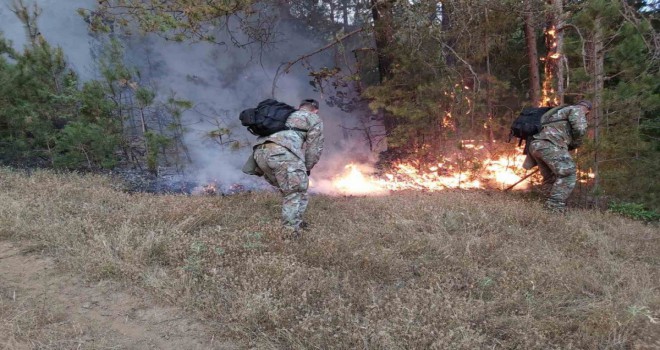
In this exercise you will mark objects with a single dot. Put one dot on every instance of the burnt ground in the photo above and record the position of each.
(169, 181)
(44, 308)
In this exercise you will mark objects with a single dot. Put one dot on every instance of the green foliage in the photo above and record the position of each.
(626, 148)
(155, 142)
(134, 102)
(635, 211)
(195, 259)
(84, 144)
(45, 118)
(440, 90)
(95, 107)
(48, 119)
(176, 20)
(145, 96)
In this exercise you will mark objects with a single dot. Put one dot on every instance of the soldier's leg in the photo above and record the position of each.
(261, 155)
(291, 176)
(561, 163)
(549, 178)
(293, 208)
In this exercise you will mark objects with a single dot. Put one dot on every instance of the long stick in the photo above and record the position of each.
(521, 180)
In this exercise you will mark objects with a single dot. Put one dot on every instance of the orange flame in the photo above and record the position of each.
(499, 172)
(549, 94)
(353, 181)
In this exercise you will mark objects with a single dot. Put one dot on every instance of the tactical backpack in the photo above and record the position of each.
(528, 123)
(268, 118)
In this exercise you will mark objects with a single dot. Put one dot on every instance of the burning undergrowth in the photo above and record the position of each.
(186, 184)
(471, 165)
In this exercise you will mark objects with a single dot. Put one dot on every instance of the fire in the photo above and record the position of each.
(502, 170)
(210, 188)
(409, 177)
(585, 176)
(354, 181)
(498, 172)
(550, 97)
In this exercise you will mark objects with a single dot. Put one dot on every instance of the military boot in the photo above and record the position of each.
(555, 207)
(290, 232)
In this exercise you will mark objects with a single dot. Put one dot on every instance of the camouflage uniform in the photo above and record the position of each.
(285, 163)
(561, 132)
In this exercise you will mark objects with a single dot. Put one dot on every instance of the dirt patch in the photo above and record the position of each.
(43, 308)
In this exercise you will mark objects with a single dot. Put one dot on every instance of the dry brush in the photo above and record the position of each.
(413, 270)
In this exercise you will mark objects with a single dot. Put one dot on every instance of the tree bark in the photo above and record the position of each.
(553, 82)
(596, 66)
(450, 59)
(381, 11)
(533, 55)
(383, 17)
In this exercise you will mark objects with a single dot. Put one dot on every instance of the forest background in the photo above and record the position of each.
(404, 79)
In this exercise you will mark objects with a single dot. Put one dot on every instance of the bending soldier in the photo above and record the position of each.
(286, 158)
(561, 132)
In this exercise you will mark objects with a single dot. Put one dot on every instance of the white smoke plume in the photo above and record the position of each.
(219, 80)
(60, 25)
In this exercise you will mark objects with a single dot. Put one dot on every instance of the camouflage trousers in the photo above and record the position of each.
(287, 172)
(558, 171)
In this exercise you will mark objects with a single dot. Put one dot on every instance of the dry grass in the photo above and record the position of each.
(460, 270)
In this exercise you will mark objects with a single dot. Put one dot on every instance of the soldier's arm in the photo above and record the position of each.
(578, 122)
(314, 142)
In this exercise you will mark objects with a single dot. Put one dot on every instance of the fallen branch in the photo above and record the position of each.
(521, 180)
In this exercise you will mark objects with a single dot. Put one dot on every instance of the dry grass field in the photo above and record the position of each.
(447, 270)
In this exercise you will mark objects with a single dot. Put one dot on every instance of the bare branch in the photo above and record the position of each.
(474, 74)
(584, 51)
(288, 65)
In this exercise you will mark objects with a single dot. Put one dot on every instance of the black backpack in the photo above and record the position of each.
(268, 118)
(528, 123)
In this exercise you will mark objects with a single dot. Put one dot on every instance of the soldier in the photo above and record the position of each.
(286, 158)
(561, 132)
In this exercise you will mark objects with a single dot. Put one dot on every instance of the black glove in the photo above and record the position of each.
(574, 145)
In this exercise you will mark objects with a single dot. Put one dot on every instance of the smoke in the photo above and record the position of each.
(220, 80)
(60, 25)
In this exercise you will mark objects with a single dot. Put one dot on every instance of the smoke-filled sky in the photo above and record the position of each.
(60, 25)
(220, 80)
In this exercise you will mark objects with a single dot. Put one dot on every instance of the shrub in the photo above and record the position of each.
(634, 211)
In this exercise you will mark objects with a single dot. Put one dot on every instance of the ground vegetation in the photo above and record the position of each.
(457, 269)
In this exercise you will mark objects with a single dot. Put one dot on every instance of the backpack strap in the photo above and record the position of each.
(551, 112)
(531, 137)
(292, 129)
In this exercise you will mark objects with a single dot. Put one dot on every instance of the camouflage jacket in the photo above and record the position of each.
(308, 146)
(564, 128)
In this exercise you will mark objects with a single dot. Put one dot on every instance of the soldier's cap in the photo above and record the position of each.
(585, 103)
(310, 102)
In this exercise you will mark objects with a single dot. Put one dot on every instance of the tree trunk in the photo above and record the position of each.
(446, 28)
(384, 35)
(381, 11)
(284, 11)
(489, 93)
(597, 71)
(533, 55)
(553, 83)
